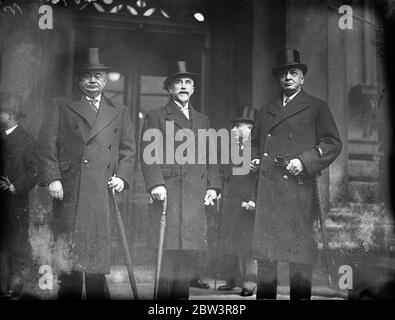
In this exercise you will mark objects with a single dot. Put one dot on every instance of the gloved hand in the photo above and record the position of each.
(55, 189)
(250, 205)
(117, 183)
(158, 193)
(295, 166)
(211, 195)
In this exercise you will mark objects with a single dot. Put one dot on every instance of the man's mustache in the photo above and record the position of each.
(92, 85)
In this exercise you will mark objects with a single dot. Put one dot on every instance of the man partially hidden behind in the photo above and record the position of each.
(294, 138)
(187, 186)
(18, 176)
(87, 147)
(238, 211)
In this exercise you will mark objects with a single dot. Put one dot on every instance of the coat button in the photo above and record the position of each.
(109, 166)
(115, 130)
(265, 154)
(184, 175)
(202, 176)
(269, 135)
(75, 126)
(109, 147)
(86, 161)
(290, 136)
(285, 177)
(265, 173)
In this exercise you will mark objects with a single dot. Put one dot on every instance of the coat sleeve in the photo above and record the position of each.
(47, 141)
(127, 150)
(29, 177)
(327, 140)
(213, 171)
(151, 171)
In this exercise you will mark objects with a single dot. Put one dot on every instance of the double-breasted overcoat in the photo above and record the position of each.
(19, 164)
(83, 149)
(287, 205)
(186, 183)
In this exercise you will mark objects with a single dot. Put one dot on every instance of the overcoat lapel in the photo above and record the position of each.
(296, 105)
(106, 114)
(174, 114)
(197, 120)
(84, 109)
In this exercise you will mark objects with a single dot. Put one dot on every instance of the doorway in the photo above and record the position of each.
(142, 57)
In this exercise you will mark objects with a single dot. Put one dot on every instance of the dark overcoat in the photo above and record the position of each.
(287, 205)
(186, 184)
(19, 164)
(236, 222)
(84, 149)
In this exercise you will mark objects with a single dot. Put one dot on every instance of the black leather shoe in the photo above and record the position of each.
(246, 292)
(198, 283)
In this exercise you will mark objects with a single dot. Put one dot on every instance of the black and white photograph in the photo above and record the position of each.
(220, 152)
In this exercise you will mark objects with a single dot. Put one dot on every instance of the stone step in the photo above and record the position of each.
(362, 147)
(364, 191)
(363, 168)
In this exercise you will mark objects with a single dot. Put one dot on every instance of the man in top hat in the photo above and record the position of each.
(238, 211)
(18, 175)
(188, 187)
(294, 138)
(87, 147)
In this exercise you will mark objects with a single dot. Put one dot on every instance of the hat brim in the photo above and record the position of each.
(171, 78)
(100, 67)
(280, 69)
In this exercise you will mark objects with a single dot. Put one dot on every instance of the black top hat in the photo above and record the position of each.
(245, 114)
(182, 72)
(289, 58)
(91, 61)
(10, 102)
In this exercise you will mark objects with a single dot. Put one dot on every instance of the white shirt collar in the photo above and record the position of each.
(98, 98)
(10, 130)
(186, 107)
(290, 97)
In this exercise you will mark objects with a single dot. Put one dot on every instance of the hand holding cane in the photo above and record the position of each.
(124, 245)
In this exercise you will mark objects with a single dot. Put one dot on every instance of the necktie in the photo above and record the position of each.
(185, 111)
(286, 101)
(94, 104)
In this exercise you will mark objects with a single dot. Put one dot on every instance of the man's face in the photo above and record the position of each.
(92, 83)
(291, 80)
(182, 89)
(242, 130)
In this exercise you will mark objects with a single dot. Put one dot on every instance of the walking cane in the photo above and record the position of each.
(324, 237)
(125, 246)
(160, 246)
(218, 220)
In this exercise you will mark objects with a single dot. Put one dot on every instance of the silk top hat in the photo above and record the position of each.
(181, 73)
(245, 114)
(11, 103)
(91, 61)
(289, 58)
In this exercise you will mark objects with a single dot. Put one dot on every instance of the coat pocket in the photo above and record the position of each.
(64, 165)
